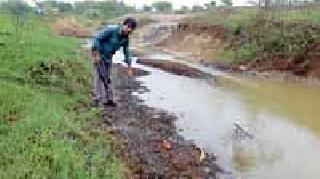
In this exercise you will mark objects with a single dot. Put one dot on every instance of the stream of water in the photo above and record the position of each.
(283, 119)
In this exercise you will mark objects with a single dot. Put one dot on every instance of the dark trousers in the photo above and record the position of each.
(102, 81)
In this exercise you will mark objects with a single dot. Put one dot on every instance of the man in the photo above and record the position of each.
(105, 44)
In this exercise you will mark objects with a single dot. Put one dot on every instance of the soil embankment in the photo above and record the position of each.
(305, 64)
(206, 42)
(201, 41)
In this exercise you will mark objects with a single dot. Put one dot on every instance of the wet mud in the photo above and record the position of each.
(174, 68)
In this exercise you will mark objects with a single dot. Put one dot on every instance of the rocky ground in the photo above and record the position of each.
(147, 139)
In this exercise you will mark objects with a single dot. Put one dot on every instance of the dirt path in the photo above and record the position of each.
(147, 138)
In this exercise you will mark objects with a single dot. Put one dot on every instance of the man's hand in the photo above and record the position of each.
(96, 57)
(129, 71)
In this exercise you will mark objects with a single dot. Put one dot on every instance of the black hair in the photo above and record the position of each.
(131, 22)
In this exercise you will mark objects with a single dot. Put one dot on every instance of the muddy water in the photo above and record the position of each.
(283, 119)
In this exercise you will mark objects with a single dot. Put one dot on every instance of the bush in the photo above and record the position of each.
(246, 52)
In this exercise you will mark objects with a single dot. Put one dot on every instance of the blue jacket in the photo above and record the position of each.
(109, 40)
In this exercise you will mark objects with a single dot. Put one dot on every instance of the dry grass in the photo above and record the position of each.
(69, 26)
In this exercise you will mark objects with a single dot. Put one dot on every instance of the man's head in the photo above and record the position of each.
(129, 25)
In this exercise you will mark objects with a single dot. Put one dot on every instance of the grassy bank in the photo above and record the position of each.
(252, 33)
(47, 128)
(229, 18)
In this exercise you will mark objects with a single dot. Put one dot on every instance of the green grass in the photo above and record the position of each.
(310, 16)
(245, 16)
(244, 54)
(225, 56)
(47, 130)
(229, 18)
(285, 34)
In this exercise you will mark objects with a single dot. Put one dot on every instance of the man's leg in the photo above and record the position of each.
(109, 92)
(99, 88)
(103, 87)
(105, 75)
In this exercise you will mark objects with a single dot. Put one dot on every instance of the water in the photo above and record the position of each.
(283, 118)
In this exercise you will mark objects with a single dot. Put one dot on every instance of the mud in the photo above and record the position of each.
(147, 138)
(174, 67)
(216, 31)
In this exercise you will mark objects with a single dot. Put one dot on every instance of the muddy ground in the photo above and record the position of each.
(147, 138)
(174, 68)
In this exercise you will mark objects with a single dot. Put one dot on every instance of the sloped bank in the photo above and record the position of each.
(214, 45)
(204, 42)
(147, 138)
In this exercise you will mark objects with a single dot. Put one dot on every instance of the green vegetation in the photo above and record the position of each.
(162, 6)
(228, 18)
(226, 2)
(246, 53)
(253, 32)
(312, 16)
(284, 34)
(102, 10)
(47, 128)
(197, 8)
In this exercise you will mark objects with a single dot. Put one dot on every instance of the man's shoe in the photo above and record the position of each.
(95, 103)
(110, 103)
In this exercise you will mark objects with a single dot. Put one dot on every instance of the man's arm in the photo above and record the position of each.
(126, 52)
(127, 57)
